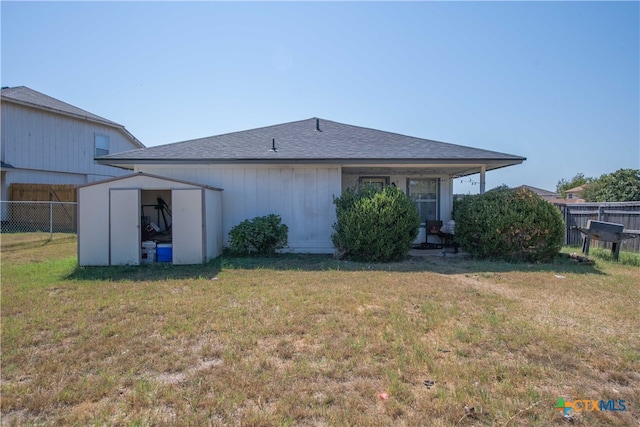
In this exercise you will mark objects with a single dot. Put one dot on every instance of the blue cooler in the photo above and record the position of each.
(164, 252)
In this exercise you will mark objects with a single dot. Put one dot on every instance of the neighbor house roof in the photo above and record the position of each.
(539, 191)
(577, 189)
(312, 141)
(31, 98)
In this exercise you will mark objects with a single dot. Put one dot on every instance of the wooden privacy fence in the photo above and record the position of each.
(42, 193)
(578, 214)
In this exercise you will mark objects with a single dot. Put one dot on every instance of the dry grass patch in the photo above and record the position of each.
(311, 341)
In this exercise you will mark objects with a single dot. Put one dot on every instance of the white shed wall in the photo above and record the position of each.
(93, 215)
(188, 226)
(301, 195)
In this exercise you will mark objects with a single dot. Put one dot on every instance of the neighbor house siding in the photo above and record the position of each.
(301, 195)
(50, 148)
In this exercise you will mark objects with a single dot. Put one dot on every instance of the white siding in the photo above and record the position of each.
(35, 141)
(213, 220)
(301, 195)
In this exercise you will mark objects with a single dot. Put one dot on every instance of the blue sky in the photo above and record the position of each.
(556, 82)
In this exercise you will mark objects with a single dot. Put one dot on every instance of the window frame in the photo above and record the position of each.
(98, 144)
(383, 181)
(435, 200)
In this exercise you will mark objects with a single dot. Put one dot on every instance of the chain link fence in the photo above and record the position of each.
(38, 217)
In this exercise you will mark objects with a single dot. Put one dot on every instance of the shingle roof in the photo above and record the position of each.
(577, 189)
(309, 140)
(539, 191)
(23, 94)
(29, 97)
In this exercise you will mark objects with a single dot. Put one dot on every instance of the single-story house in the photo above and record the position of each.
(574, 194)
(296, 169)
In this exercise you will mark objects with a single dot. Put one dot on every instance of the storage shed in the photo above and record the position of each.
(120, 219)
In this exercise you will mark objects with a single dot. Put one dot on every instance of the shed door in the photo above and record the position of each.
(124, 226)
(187, 227)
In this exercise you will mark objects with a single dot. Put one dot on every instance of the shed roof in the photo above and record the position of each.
(310, 141)
(144, 174)
(32, 98)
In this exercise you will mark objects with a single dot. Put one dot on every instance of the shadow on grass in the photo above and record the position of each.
(308, 262)
(434, 264)
(11, 244)
(147, 272)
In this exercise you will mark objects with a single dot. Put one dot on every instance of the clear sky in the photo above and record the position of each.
(555, 82)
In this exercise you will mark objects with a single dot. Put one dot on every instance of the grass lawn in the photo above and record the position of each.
(307, 340)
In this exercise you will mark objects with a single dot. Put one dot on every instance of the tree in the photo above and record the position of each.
(622, 185)
(564, 185)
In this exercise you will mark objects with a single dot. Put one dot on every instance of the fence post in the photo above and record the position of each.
(567, 229)
(50, 220)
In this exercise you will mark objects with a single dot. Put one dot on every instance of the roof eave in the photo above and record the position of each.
(491, 163)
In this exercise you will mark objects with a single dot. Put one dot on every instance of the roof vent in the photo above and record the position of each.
(318, 125)
(273, 146)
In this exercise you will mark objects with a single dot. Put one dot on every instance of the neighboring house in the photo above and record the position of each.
(544, 194)
(48, 142)
(296, 169)
(573, 194)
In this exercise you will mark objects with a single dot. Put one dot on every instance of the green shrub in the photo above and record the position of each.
(375, 226)
(513, 225)
(263, 235)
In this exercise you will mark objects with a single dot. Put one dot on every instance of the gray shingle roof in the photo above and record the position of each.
(302, 141)
(539, 191)
(25, 95)
(29, 97)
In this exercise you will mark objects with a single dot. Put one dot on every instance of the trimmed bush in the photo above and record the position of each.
(263, 235)
(375, 226)
(509, 224)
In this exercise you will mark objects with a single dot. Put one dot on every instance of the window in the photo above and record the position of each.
(377, 181)
(102, 145)
(424, 192)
